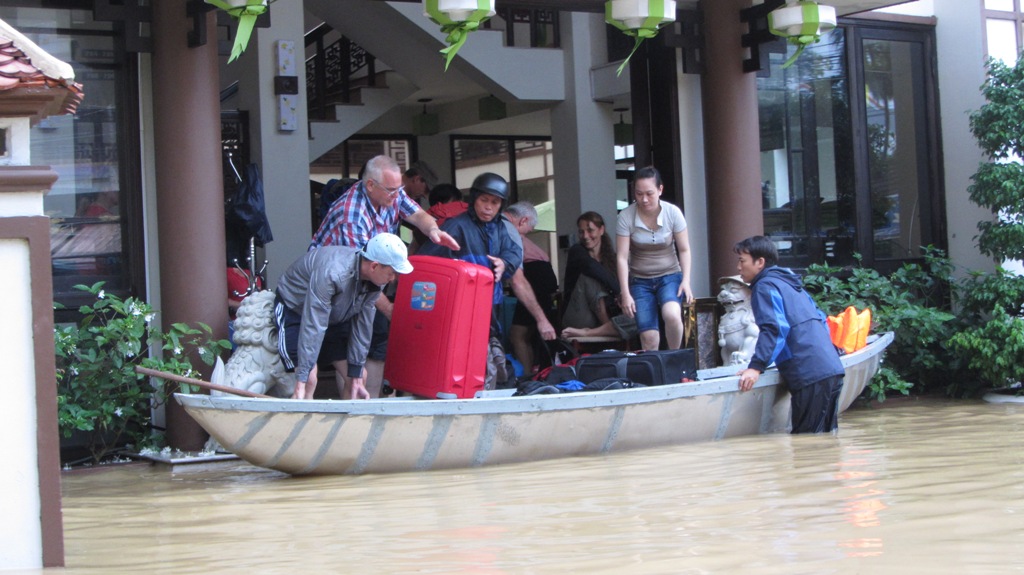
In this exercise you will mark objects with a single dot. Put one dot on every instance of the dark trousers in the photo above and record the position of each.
(816, 406)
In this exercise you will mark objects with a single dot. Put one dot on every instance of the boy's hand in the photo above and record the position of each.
(748, 377)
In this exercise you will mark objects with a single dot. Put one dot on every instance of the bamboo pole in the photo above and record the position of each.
(198, 382)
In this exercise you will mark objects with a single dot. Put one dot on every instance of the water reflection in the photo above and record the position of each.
(923, 486)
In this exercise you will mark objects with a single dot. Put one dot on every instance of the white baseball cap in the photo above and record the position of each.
(390, 250)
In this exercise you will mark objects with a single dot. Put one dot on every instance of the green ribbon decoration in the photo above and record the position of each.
(649, 28)
(810, 30)
(457, 30)
(246, 16)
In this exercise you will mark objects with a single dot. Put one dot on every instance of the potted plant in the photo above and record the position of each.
(100, 397)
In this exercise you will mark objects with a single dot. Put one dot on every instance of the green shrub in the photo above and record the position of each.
(912, 303)
(993, 351)
(990, 340)
(98, 391)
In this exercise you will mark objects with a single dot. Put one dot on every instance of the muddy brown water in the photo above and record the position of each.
(918, 486)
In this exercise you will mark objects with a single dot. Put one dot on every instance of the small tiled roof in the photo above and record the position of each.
(32, 82)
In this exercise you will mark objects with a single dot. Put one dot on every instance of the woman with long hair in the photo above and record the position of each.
(653, 261)
(591, 288)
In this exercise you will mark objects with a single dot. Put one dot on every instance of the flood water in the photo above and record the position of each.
(918, 486)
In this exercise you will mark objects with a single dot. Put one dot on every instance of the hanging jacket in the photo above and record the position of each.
(793, 333)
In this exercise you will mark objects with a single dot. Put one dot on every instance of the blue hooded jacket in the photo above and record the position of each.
(794, 333)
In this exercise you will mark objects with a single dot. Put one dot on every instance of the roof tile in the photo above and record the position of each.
(18, 72)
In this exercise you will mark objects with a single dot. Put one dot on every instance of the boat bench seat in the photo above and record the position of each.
(596, 343)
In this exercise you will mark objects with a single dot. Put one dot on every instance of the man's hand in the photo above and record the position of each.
(748, 377)
(499, 267)
(384, 306)
(443, 239)
(359, 388)
(547, 331)
(305, 389)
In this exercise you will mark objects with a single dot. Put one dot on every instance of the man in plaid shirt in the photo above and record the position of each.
(376, 204)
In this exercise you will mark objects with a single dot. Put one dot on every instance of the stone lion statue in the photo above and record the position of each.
(255, 364)
(737, 330)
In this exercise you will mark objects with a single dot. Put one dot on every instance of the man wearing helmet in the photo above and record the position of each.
(487, 239)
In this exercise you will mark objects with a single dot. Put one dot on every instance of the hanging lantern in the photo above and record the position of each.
(425, 124)
(623, 132)
(801, 23)
(640, 19)
(457, 19)
(245, 11)
(491, 108)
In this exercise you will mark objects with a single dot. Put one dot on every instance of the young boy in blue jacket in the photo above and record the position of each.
(794, 335)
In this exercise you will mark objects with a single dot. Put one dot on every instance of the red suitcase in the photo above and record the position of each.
(440, 326)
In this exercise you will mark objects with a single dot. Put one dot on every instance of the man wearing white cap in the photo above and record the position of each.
(318, 293)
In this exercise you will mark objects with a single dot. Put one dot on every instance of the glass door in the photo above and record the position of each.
(900, 209)
(806, 154)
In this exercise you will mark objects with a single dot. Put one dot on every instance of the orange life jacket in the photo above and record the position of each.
(849, 330)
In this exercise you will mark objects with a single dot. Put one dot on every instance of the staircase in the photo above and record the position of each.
(409, 44)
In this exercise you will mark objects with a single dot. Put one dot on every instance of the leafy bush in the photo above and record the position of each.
(993, 349)
(912, 303)
(999, 183)
(98, 391)
(991, 338)
(954, 336)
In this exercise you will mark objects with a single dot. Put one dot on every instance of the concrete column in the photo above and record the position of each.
(582, 130)
(732, 144)
(190, 197)
(282, 155)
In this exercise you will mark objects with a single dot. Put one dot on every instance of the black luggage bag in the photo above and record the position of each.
(645, 367)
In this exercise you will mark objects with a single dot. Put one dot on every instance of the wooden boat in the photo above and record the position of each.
(406, 434)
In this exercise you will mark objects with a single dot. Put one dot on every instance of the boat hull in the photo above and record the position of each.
(392, 435)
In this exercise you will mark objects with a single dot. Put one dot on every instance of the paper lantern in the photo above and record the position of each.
(457, 19)
(623, 131)
(640, 19)
(491, 108)
(425, 124)
(801, 23)
(245, 11)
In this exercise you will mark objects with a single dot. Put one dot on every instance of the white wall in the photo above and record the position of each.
(961, 73)
(20, 529)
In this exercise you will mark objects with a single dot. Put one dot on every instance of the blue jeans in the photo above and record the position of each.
(650, 294)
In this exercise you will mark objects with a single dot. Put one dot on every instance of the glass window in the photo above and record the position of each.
(475, 155)
(87, 224)
(527, 164)
(1001, 5)
(806, 159)
(1002, 39)
(896, 137)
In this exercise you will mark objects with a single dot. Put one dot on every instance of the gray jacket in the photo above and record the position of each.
(325, 287)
